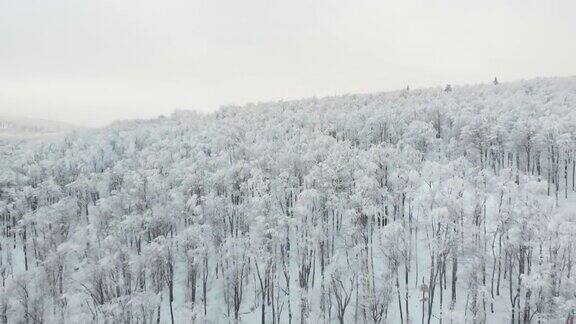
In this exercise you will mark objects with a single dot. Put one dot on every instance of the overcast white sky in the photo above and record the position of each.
(93, 61)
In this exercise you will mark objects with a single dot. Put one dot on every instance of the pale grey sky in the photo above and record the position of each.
(93, 61)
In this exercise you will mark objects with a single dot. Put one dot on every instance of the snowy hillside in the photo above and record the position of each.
(421, 206)
(30, 128)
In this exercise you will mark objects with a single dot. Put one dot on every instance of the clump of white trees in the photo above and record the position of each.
(423, 207)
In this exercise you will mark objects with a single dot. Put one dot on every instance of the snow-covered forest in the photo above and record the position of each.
(414, 206)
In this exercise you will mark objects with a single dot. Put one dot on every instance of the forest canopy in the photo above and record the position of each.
(407, 206)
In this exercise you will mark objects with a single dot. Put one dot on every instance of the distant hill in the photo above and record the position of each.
(28, 128)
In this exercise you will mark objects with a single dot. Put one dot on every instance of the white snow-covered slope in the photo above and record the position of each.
(420, 206)
(31, 128)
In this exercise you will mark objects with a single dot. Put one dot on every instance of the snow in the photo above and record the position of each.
(347, 196)
(13, 128)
